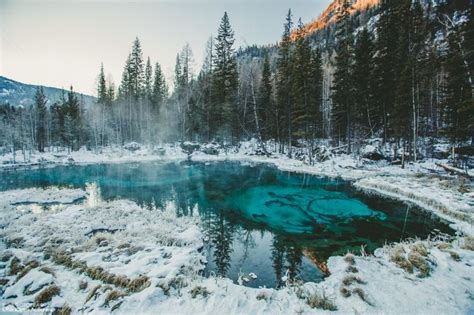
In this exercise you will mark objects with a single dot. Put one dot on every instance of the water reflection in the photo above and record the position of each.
(255, 218)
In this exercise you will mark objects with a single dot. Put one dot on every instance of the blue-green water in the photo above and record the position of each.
(255, 218)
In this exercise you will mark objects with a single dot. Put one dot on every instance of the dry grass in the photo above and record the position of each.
(15, 266)
(176, 283)
(46, 295)
(199, 290)
(63, 310)
(350, 259)
(444, 246)
(93, 293)
(263, 296)
(349, 280)
(361, 293)
(468, 243)
(315, 300)
(345, 292)
(116, 306)
(6, 256)
(83, 285)
(454, 255)
(419, 248)
(352, 269)
(397, 256)
(419, 263)
(138, 284)
(48, 270)
(27, 268)
(114, 295)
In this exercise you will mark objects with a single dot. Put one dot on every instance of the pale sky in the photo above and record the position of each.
(63, 42)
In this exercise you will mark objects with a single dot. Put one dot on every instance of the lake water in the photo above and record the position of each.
(255, 218)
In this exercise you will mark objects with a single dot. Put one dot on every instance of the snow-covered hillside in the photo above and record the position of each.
(16, 93)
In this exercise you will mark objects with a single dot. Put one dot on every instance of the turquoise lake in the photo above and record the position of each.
(255, 217)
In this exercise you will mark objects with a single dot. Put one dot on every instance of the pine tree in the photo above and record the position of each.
(342, 112)
(283, 82)
(41, 123)
(224, 113)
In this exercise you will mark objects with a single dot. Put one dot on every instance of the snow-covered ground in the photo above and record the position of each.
(59, 248)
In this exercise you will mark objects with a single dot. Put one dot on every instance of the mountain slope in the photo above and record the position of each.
(329, 15)
(16, 93)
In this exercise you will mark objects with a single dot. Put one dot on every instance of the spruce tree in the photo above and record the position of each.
(386, 65)
(159, 89)
(102, 87)
(301, 87)
(148, 79)
(315, 94)
(342, 90)
(225, 111)
(283, 82)
(41, 116)
(266, 108)
(362, 74)
(136, 71)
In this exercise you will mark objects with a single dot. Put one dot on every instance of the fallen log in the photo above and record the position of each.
(455, 170)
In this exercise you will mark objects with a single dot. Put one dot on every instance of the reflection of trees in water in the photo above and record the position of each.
(221, 237)
(246, 238)
(286, 256)
(278, 258)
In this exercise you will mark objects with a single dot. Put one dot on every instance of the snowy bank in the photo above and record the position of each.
(91, 255)
(119, 257)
